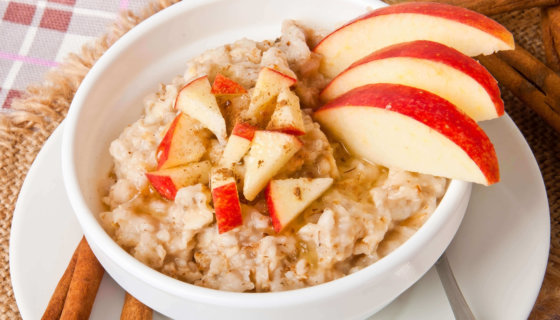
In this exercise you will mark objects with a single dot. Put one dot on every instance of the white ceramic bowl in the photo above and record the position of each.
(110, 97)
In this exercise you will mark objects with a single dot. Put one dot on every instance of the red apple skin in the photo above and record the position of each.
(271, 211)
(433, 51)
(454, 13)
(227, 207)
(292, 80)
(431, 110)
(163, 184)
(244, 130)
(291, 130)
(225, 86)
(162, 153)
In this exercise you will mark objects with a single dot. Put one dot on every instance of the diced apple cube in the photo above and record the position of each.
(287, 116)
(196, 100)
(286, 199)
(269, 84)
(270, 151)
(226, 200)
(238, 144)
(168, 181)
(224, 86)
(179, 145)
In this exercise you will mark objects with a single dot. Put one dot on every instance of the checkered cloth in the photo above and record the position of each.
(36, 36)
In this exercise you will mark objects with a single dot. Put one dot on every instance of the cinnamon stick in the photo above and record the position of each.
(552, 59)
(490, 7)
(542, 77)
(134, 309)
(550, 24)
(86, 278)
(54, 308)
(554, 15)
(522, 89)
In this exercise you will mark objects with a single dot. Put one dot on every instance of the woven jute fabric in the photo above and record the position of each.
(33, 118)
(545, 144)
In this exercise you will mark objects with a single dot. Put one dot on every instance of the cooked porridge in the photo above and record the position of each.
(364, 213)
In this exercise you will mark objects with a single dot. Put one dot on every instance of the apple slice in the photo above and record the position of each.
(412, 129)
(287, 116)
(288, 198)
(269, 84)
(224, 86)
(168, 181)
(196, 100)
(178, 146)
(430, 66)
(465, 30)
(238, 144)
(226, 199)
(270, 151)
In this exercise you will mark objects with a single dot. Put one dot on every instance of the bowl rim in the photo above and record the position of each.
(93, 230)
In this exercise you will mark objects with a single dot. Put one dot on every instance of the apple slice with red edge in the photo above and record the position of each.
(467, 31)
(177, 146)
(224, 86)
(412, 129)
(168, 181)
(196, 100)
(426, 65)
(286, 199)
(269, 84)
(270, 151)
(287, 116)
(226, 199)
(238, 144)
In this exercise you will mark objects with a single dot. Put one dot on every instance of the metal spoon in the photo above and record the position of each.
(459, 305)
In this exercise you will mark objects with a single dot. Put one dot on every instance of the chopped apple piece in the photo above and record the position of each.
(196, 100)
(224, 86)
(179, 146)
(412, 129)
(286, 199)
(238, 144)
(269, 84)
(244, 130)
(465, 30)
(287, 116)
(168, 181)
(270, 151)
(430, 66)
(226, 199)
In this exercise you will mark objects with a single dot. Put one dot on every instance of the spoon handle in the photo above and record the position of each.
(460, 307)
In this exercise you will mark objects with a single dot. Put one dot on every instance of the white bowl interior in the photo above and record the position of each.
(111, 97)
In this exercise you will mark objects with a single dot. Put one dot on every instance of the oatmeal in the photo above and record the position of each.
(345, 214)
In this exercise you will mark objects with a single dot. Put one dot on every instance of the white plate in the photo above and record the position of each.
(499, 254)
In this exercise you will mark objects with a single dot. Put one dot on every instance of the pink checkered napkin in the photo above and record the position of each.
(36, 35)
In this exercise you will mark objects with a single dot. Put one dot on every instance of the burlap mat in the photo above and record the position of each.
(23, 132)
